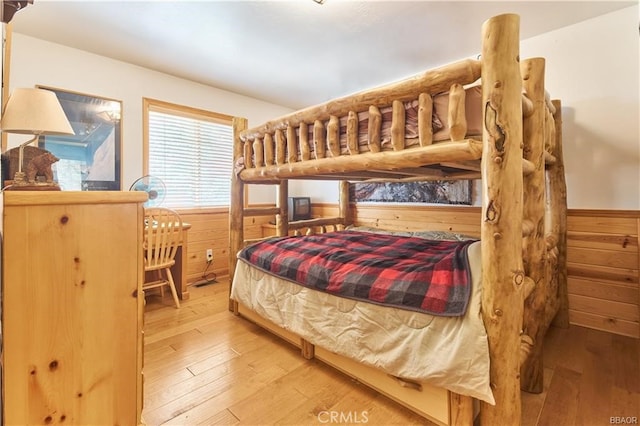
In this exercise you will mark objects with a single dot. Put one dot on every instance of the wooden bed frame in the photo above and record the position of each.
(519, 161)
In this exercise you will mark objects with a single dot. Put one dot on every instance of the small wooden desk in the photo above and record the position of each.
(179, 269)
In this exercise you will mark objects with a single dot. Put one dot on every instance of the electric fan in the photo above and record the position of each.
(153, 186)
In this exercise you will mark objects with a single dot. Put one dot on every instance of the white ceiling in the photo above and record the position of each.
(293, 53)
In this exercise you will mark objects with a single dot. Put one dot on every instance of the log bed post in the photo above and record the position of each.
(282, 224)
(534, 327)
(236, 205)
(557, 209)
(344, 209)
(501, 228)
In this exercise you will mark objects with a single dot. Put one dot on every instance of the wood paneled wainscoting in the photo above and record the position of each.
(210, 230)
(602, 252)
(602, 268)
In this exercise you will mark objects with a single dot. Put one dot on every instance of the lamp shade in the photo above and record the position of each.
(35, 112)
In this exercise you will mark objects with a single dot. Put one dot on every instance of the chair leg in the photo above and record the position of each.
(172, 286)
(159, 277)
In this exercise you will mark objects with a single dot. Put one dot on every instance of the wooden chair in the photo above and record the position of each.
(162, 236)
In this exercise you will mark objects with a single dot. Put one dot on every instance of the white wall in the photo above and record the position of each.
(593, 68)
(37, 62)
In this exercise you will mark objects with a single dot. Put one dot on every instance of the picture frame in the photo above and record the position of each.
(429, 192)
(90, 160)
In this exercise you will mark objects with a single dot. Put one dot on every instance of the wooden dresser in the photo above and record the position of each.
(72, 307)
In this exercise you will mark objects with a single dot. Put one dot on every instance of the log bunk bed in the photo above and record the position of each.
(516, 153)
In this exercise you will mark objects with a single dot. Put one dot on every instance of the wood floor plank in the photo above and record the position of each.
(319, 388)
(563, 407)
(174, 389)
(224, 417)
(532, 403)
(597, 380)
(161, 382)
(193, 358)
(169, 342)
(361, 403)
(267, 405)
(196, 404)
(625, 395)
(224, 392)
(311, 411)
(565, 348)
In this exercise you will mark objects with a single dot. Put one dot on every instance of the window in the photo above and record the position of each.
(191, 150)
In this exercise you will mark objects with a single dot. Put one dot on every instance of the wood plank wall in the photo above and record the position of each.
(210, 229)
(602, 254)
(602, 268)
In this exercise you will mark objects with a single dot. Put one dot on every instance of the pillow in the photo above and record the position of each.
(377, 230)
(428, 235)
(442, 235)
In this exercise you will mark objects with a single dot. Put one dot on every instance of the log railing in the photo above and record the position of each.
(286, 141)
(285, 148)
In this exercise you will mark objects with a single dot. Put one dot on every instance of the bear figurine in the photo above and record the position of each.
(41, 166)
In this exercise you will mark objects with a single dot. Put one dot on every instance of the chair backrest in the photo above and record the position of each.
(162, 236)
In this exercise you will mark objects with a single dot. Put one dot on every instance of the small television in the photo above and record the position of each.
(299, 208)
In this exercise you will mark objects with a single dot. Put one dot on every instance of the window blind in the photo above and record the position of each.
(193, 156)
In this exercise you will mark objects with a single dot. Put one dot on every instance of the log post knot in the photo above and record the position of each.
(518, 278)
(526, 345)
(495, 315)
(495, 131)
(492, 214)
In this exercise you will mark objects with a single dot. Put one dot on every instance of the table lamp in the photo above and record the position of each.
(33, 112)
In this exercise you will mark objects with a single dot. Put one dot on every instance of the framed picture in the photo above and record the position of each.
(90, 159)
(436, 192)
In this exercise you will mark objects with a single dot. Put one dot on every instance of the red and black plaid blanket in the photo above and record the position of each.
(404, 272)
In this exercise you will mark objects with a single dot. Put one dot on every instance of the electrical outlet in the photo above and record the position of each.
(209, 255)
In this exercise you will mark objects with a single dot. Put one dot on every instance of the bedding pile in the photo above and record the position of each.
(405, 272)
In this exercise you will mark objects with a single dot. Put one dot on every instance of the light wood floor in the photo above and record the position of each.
(205, 366)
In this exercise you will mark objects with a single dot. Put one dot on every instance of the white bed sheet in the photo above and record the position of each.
(448, 352)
